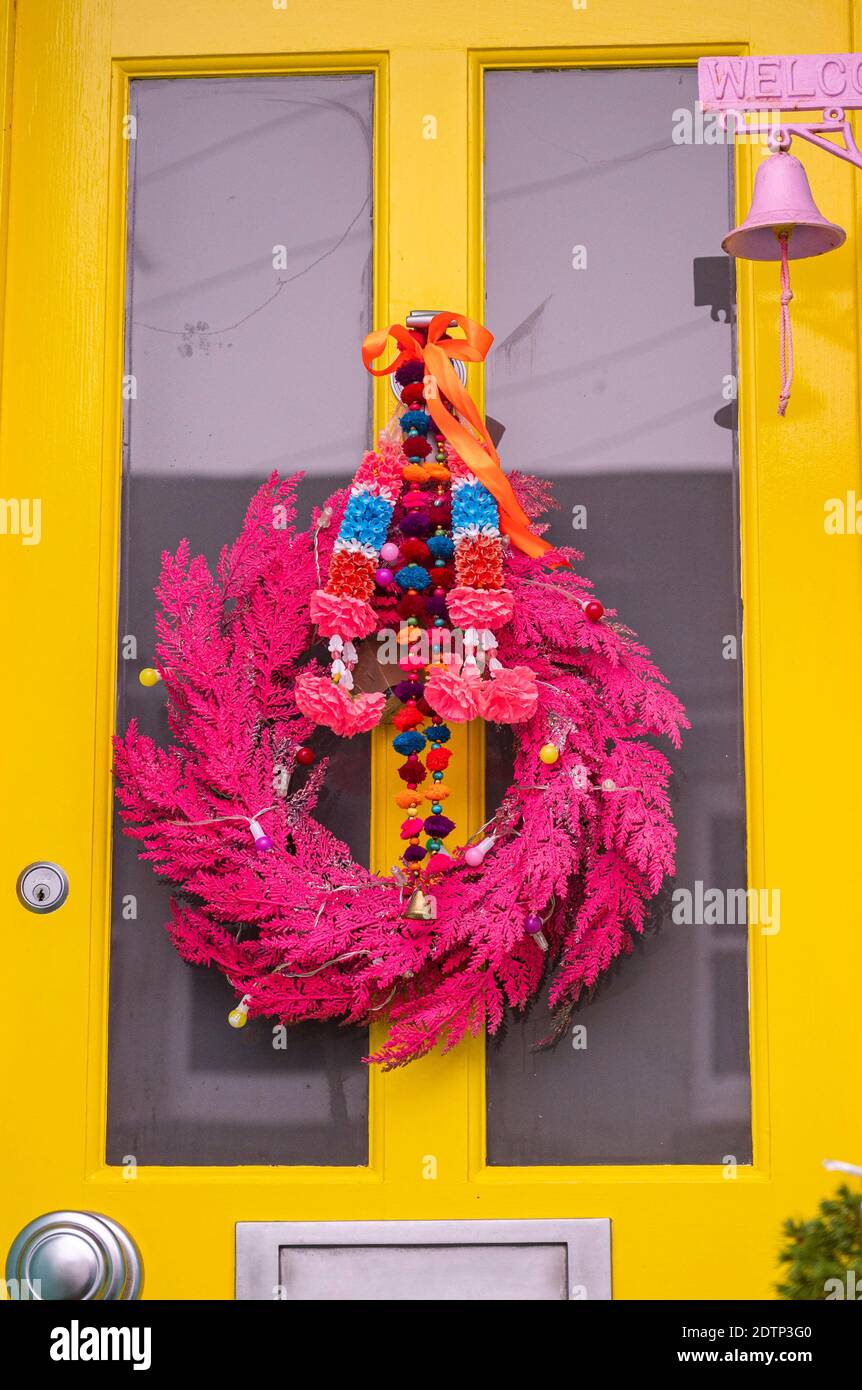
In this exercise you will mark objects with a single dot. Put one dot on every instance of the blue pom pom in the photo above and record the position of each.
(408, 742)
(438, 733)
(415, 420)
(413, 577)
(441, 547)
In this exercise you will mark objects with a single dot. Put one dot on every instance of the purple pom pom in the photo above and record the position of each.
(436, 606)
(438, 826)
(416, 524)
(413, 853)
(413, 370)
(407, 690)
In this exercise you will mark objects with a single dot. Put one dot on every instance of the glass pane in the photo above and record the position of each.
(233, 376)
(613, 309)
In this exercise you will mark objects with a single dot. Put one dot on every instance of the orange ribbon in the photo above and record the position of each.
(440, 376)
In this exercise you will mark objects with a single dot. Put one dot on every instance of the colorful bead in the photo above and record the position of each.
(549, 753)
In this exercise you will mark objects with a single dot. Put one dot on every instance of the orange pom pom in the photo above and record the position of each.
(438, 472)
(437, 793)
(406, 800)
(415, 473)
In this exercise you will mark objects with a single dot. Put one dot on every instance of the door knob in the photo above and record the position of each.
(74, 1256)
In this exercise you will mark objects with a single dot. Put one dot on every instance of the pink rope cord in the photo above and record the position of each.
(786, 333)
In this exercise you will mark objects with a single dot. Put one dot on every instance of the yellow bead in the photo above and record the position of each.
(336, 678)
(549, 753)
(149, 676)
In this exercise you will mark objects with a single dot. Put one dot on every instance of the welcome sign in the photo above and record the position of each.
(799, 82)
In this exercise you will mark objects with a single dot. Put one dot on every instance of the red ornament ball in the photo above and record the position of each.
(305, 757)
(594, 611)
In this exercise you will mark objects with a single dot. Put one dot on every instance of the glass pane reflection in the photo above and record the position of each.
(612, 371)
(237, 248)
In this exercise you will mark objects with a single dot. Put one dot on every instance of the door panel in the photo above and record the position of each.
(612, 371)
(235, 247)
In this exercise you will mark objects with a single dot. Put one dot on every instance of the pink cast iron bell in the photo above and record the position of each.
(783, 224)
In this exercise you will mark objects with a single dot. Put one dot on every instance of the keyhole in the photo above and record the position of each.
(40, 892)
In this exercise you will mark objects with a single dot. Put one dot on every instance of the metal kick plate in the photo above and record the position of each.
(429, 1261)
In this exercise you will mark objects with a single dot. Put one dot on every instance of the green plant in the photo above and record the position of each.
(824, 1256)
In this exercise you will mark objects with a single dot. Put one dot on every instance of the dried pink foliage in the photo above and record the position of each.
(322, 937)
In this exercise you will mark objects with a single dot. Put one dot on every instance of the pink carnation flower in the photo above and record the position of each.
(510, 696)
(481, 608)
(318, 698)
(451, 694)
(339, 615)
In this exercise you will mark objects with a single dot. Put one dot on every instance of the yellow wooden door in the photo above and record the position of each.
(679, 1231)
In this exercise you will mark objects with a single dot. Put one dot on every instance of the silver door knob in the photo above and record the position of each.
(74, 1256)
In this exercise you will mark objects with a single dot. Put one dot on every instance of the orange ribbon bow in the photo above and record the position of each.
(440, 377)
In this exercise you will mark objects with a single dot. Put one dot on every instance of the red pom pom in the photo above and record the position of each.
(305, 757)
(408, 717)
(594, 611)
(437, 759)
(412, 606)
(416, 446)
(415, 552)
(413, 772)
(426, 709)
(414, 394)
(441, 578)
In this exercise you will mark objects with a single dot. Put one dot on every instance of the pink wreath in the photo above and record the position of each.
(579, 844)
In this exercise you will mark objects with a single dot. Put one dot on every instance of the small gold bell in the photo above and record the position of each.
(422, 907)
